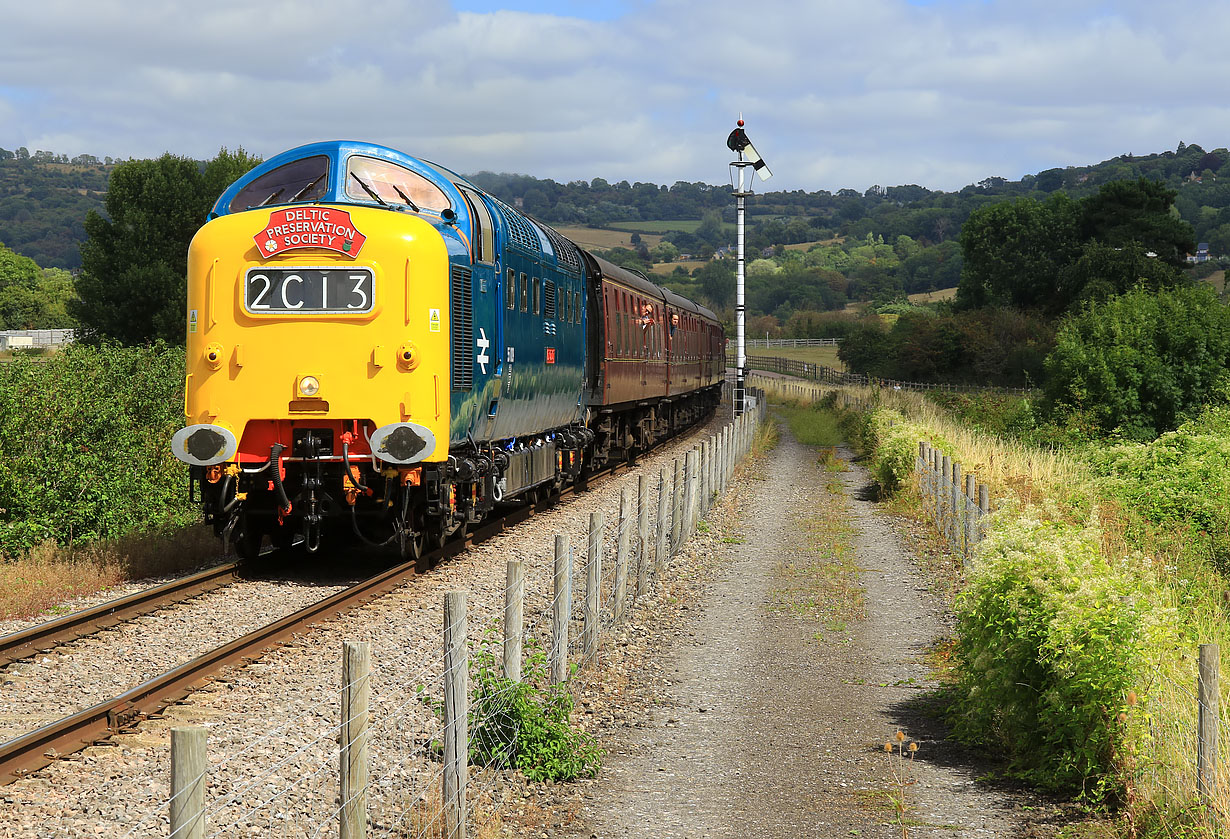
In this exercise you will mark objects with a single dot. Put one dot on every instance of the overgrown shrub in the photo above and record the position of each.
(1051, 640)
(85, 445)
(524, 725)
(1180, 481)
(1143, 363)
(892, 443)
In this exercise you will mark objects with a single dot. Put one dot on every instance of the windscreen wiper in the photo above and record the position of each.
(307, 188)
(369, 190)
(405, 198)
(271, 196)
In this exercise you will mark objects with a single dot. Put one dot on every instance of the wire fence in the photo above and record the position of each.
(827, 375)
(400, 760)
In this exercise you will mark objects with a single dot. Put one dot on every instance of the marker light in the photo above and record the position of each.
(309, 386)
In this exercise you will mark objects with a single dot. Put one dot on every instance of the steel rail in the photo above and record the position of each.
(44, 636)
(30, 752)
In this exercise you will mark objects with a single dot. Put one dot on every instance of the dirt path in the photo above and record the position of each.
(774, 717)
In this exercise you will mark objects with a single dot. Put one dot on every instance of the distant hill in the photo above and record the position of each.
(44, 199)
(43, 204)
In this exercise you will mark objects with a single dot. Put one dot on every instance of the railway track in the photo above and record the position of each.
(45, 636)
(32, 751)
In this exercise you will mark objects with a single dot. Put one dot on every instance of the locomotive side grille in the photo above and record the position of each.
(548, 299)
(566, 254)
(462, 313)
(519, 228)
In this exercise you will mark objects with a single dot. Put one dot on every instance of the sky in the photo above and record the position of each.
(835, 93)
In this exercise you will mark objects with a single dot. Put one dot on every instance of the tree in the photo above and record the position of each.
(717, 281)
(1104, 270)
(17, 270)
(1014, 251)
(135, 262)
(1142, 363)
(1122, 212)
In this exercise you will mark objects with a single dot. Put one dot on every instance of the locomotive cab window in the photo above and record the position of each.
(484, 236)
(299, 181)
(371, 179)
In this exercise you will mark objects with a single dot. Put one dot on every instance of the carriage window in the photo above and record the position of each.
(300, 180)
(510, 290)
(524, 289)
(537, 296)
(382, 181)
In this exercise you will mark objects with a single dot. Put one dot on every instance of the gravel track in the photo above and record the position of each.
(705, 736)
(272, 725)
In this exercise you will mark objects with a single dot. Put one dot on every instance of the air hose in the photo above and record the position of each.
(275, 453)
(354, 475)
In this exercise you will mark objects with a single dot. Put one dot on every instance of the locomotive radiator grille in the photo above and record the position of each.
(462, 327)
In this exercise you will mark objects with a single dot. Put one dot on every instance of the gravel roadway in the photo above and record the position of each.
(732, 717)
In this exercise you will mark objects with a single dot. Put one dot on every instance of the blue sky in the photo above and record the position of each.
(836, 94)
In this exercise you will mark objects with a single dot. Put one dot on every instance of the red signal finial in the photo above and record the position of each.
(740, 120)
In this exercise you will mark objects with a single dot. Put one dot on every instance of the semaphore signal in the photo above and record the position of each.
(748, 156)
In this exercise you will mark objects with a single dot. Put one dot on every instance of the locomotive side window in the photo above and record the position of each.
(537, 296)
(484, 236)
(300, 180)
(524, 290)
(510, 290)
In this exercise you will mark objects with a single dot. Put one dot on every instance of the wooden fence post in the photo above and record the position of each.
(984, 509)
(188, 765)
(676, 508)
(514, 619)
(356, 699)
(622, 536)
(958, 511)
(1206, 728)
(562, 611)
(593, 588)
(689, 496)
(456, 715)
(660, 554)
(967, 503)
(642, 536)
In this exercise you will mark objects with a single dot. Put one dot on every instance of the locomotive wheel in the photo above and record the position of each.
(246, 542)
(413, 546)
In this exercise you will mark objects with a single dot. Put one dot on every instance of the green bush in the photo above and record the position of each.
(1051, 640)
(1180, 481)
(1143, 363)
(85, 445)
(892, 443)
(524, 725)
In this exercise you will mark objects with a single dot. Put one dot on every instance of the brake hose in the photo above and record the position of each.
(275, 453)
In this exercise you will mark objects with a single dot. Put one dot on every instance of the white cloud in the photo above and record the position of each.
(836, 94)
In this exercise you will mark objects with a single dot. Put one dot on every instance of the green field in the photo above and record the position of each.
(825, 356)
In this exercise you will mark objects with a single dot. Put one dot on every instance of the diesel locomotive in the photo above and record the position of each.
(377, 349)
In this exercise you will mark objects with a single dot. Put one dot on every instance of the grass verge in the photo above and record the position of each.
(42, 580)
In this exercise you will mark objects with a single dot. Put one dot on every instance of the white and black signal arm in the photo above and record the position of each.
(738, 142)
